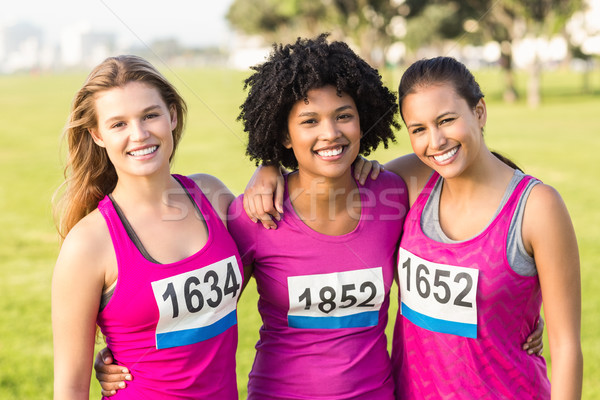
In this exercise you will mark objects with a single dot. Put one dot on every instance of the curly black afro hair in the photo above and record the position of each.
(286, 77)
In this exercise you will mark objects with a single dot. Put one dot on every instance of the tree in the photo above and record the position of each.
(543, 18)
(278, 20)
(502, 21)
(362, 22)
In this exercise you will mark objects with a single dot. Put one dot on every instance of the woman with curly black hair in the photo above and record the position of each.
(325, 273)
(294, 69)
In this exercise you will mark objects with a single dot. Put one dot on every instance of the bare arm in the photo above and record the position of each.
(77, 283)
(549, 235)
(263, 196)
(413, 171)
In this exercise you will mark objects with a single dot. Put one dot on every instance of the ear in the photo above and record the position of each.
(286, 142)
(481, 113)
(173, 112)
(96, 137)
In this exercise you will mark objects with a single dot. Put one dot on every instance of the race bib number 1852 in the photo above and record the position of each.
(197, 305)
(336, 300)
(438, 297)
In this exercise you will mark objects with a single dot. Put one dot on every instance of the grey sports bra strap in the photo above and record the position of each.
(130, 232)
(521, 262)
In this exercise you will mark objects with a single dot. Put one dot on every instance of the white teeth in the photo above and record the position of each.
(330, 153)
(446, 156)
(143, 152)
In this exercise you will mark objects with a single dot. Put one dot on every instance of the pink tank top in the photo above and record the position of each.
(324, 299)
(465, 314)
(175, 325)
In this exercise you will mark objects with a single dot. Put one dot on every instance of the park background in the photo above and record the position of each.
(543, 114)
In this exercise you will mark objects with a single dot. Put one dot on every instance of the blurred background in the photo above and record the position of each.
(538, 63)
(38, 37)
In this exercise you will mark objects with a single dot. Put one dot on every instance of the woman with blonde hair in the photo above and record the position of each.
(145, 254)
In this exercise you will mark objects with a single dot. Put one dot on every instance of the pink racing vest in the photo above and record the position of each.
(464, 315)
(174, 326)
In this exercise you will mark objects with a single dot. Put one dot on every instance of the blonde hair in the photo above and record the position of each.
(89, 174)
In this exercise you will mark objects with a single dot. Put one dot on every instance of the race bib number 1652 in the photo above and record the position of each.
(438, 297)
(197, 305)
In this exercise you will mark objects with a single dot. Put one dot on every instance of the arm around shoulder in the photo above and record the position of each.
(77, 283)
(548, 233)
(414, 172)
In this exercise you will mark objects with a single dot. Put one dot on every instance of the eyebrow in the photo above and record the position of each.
(145, 110)
(442, 115)
(312, 113)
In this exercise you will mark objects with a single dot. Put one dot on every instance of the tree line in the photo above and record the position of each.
(373, 26)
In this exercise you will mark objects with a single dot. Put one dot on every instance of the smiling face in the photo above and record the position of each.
(324, 133)
(135, 126)
(445, 133)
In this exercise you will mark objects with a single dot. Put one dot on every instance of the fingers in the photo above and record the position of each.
(258, 201)
(359, 164)
(279, 189)
(535, 342)
(107, 393)
(110, 383)
(103, 359)
(363, 168)
(534, 346)
(377, 168)
(267, 206)
(105, 355)
(260, 207)
(249, 207)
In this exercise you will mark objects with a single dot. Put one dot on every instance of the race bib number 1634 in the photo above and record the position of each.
(197, 305)
(438, 297)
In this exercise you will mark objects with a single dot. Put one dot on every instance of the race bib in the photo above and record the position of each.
(438, 297)
(348, 299)
(197, 305)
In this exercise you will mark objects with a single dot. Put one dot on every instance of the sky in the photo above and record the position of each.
(197, 23)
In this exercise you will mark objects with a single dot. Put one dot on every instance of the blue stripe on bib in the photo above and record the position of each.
(191, 336)
(439, 325)
(369, 318)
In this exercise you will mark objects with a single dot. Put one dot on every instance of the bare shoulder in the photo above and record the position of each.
(216, 192)
(544, 200)
(546, 219)
(87, 249)
(414, 172)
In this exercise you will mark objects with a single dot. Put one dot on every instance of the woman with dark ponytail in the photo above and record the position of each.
(483, 246)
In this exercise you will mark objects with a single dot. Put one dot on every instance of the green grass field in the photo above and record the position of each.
(556, 143)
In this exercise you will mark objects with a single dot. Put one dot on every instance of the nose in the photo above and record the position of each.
(138, 132)
(437, 139)
(329, 130)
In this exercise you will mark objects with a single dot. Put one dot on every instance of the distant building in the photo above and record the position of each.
(20, 47)
(80, 46)
(247, 51)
